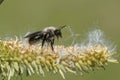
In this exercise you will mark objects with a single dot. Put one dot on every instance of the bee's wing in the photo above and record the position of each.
(35, 34)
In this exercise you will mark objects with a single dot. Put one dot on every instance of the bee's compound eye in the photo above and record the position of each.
(58, 33)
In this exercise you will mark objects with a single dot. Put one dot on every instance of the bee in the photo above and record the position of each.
(47, 35)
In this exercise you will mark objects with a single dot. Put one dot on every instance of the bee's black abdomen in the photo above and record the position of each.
(34, 37)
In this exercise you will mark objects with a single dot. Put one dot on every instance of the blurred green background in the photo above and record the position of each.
(20, 16)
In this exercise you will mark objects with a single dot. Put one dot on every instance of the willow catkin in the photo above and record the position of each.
(16, 58)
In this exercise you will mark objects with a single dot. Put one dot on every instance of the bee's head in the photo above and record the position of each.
(58, 33)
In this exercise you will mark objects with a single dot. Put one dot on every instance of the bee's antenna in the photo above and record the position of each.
(61, 27)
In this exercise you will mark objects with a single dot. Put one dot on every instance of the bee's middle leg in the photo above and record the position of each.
(52, 43)
(43, 42)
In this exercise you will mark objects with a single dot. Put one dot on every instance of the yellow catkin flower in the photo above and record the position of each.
(16, 58)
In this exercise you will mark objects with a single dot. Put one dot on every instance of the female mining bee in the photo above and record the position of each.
(46, 35)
